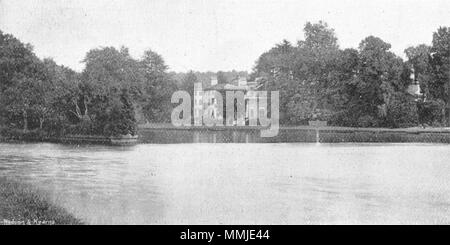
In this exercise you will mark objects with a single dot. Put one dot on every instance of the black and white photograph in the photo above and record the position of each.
(224, 112)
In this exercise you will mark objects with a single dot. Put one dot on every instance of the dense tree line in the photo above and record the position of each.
(363, 87)
(108, 97)
(357, 87)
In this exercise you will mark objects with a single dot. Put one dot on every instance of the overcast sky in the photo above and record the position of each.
(211, 34)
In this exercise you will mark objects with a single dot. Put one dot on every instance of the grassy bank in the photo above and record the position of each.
(22, 204)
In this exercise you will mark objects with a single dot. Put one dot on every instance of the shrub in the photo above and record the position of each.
(367, 121)
(430, 112)
(20, 135)
(402, 111)
(121, 117)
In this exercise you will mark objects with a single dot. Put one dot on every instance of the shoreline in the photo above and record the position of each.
(169, 126)
(39, 136)
(292, 134)
(167, 133)
(22, 204)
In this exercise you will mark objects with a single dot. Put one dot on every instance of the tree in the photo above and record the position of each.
(19, 99)
(276, 68)
(420, 60)
(431, 108)
(302, 73)
(108, 73)
(24, 87)
(401, 111)
(342, 90)
(188, 82)
(122, 120)
(20, 70)
(318, 80)
(221, 77)
(316, 63)
(319, 36)
(158, 87)
(62, 93)
(16, 59)
(440, 85)
(379, 73)
(102, 99)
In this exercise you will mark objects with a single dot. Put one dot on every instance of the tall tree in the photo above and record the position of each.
(16, 59)
(221, 77)
(159, 87)
(22, 81)
(420, 61)
(188, 82)
(61, 96)
(440, 87)
(316, 65)
(379, 73)
(107, 74)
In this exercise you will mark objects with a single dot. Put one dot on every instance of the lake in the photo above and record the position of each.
(295, 183)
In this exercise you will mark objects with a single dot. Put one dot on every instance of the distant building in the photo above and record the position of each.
(206, 98)
(414, 88)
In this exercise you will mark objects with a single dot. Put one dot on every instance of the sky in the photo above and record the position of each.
(211, 35)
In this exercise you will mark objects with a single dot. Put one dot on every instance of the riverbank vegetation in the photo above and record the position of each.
(22, 204)
(109, 97)
(364, 87)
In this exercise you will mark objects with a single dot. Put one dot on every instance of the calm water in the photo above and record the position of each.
(240, 183)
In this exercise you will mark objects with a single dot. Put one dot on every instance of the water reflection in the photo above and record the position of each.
(240, 183)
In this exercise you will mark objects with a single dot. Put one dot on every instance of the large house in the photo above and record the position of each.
(206, 101)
